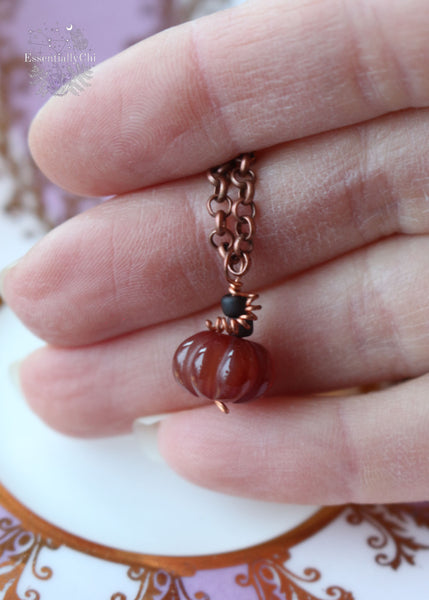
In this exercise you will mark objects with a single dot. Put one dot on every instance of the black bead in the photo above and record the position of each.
(243, 332)
(233, 306)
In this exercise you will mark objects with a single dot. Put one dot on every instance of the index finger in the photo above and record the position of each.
(244, 79)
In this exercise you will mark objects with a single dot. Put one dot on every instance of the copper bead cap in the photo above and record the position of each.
(222, 367)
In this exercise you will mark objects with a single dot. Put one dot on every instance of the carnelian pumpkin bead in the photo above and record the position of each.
(222, 367)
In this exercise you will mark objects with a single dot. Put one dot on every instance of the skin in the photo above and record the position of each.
(332, 95)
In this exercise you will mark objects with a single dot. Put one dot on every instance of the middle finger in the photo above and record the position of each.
(144, 258)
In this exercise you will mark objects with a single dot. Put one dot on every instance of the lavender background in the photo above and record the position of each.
(109, 28)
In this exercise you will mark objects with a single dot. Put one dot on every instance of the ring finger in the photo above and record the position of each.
(359, 319)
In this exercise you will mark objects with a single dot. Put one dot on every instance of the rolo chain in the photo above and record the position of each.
(234, 211)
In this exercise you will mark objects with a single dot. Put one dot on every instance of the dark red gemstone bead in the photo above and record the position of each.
(222, 367)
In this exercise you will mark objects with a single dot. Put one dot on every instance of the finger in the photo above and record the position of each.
(357, 320)
(368, 449)
(249, 78)
(144, 258)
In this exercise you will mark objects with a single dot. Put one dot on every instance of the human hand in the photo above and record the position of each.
(331, 95)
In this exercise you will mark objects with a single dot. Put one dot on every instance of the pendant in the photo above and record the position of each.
(219, 364)
(222, 368)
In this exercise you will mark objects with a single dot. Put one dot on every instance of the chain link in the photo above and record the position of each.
(234, 211)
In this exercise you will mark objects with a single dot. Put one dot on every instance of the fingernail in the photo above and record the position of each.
(14, 374)
(145, 431)
(3, 274)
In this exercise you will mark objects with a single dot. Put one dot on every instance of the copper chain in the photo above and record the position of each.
(234, 211)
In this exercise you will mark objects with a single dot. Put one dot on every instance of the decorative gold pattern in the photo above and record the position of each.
(390, 524)
(270, 578)
(162, 577)
(158, 585)
(19, 547)
(183, 566)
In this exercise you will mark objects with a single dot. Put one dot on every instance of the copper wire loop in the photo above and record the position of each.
(222, 406)
(231, 326)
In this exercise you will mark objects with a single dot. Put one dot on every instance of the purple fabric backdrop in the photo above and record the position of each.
(107, 28)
